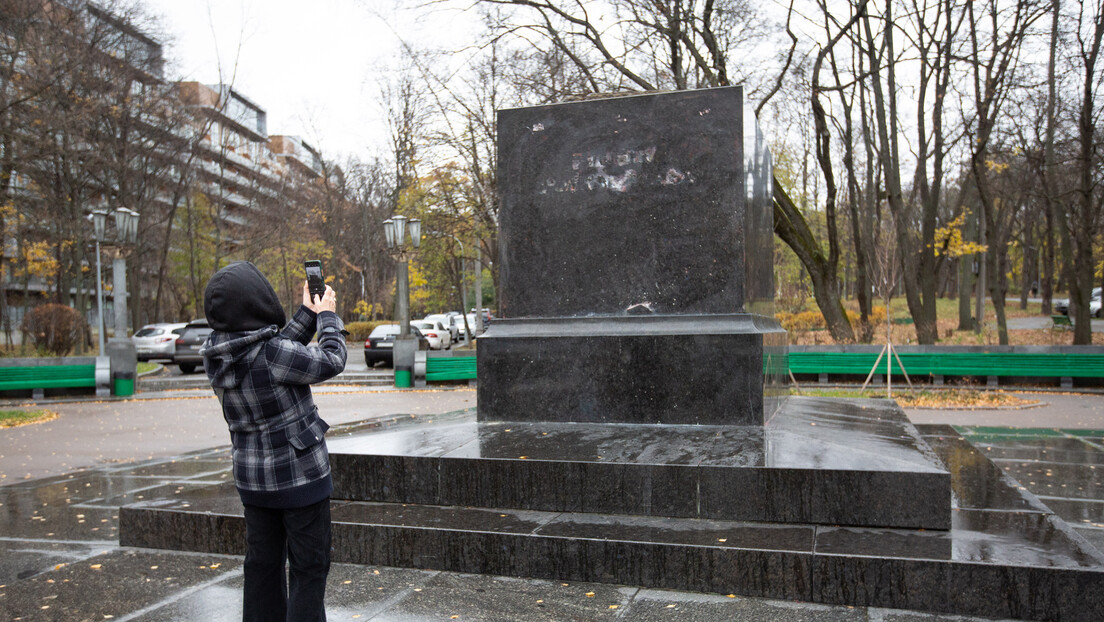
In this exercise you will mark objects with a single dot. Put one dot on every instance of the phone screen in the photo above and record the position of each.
(315, 283)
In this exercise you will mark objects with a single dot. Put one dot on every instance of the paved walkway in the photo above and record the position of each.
(62, 483)
(90, 432)
(1054, 410)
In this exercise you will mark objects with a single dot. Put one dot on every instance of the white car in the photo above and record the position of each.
(1096, 307)
(448, 322)
(156, 341)
(439, 337)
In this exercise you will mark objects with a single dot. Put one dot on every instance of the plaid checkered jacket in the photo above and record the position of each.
(262, 378)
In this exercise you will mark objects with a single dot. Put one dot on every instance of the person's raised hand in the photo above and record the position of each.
(328, 301)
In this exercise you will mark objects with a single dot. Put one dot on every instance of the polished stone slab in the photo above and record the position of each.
(705, 369)
(635, 264)
(955, 571)
(987, 487)
(816, 461)
(658, 202)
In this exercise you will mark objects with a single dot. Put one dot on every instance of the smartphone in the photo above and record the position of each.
(316, 285)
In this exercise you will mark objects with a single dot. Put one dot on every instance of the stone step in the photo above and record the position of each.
(1025, 565)
(1005, 554)
(814, 462)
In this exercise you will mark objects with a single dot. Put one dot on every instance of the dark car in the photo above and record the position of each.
(1096, 307)
(188, 344)
(380, 344)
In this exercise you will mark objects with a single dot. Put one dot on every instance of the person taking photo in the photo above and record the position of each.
(261, 367)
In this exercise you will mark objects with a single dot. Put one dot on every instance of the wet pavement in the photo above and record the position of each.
(60, 558)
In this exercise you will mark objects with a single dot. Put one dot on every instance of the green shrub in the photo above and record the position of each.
(359, 331)
(53, 328)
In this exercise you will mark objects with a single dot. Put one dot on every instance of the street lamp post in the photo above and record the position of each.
(395, 230)
(126, 234)
(99, 225)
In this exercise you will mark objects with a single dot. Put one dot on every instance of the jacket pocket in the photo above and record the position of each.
(310, 435)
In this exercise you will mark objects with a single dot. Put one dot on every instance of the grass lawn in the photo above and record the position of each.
(12, 418)
(929, 398)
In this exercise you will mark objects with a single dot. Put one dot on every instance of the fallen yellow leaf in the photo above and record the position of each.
(590, 594)
(96, 566)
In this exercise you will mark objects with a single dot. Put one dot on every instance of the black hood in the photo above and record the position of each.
(240, 298)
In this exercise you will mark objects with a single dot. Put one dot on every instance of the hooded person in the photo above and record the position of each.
(261, 367)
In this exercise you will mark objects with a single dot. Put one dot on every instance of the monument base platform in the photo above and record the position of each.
(817, 461)
(1004, 555)
(648, 369)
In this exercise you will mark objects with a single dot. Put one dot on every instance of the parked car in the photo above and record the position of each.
(379, 346)
(439, 337)
(448, 321)
(487, 315)
(1096, 306)
(191, 339)
(471, 321)
(157, 341)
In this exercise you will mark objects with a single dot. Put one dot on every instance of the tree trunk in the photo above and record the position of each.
(791, 226)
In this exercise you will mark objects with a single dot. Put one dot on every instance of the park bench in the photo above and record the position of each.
(42, 374)
(1061, 321)
(935, 364)
(938, 364)
(449, 368)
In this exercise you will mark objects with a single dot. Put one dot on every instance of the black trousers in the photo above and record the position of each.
(301, 538)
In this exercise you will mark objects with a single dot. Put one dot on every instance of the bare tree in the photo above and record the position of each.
(996, 38)
(1087, 209)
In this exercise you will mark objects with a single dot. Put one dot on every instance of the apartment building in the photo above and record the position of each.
(220, 149)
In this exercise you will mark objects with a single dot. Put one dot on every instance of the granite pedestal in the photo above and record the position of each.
(635, 262)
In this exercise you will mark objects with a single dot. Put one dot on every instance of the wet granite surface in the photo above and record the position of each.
(635, 264)
(651, 369)
(809, 464)
(42, 565)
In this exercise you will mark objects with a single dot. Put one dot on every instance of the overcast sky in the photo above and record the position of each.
(315, 66)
